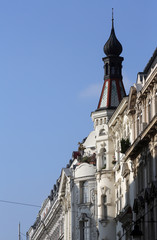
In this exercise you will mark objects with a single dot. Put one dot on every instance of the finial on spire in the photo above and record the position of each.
(112, 47)
(112, 19)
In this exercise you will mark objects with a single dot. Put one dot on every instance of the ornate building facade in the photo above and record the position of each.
(108, 191)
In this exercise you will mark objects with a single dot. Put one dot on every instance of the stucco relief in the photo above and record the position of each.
(92, 195)
(104, 189)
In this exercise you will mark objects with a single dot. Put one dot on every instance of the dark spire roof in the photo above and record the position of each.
(112, 47)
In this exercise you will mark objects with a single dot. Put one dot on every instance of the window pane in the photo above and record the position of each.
(85, 192)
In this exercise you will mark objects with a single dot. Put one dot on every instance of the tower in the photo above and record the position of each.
(113, 90)
(112, 93)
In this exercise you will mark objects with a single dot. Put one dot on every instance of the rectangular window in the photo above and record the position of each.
(149, 112)
(127, 192)
(104, 207)
(117, 196)
(84, 230)
(141, 122)
(138, 123)
(84, 196)
(150, 167)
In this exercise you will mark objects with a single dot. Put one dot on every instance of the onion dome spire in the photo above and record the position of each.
(113, 89)
(112, 47)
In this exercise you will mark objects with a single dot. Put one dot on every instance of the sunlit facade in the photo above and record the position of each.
(108, 191)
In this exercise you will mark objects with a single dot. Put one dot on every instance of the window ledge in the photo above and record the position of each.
(104, 222)
(85, 204)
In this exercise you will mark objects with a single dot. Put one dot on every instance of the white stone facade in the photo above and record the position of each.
(109, 187)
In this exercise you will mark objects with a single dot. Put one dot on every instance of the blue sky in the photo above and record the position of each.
(51, 74)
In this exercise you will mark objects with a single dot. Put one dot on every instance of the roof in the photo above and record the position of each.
(147, 67)
(67, 171)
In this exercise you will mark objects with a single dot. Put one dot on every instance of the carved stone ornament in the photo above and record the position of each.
(125, 170)
(92, 195)
(103, 144)
(104, 190)
(104, 222)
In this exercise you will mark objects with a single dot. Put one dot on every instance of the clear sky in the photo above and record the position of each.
(51, 74)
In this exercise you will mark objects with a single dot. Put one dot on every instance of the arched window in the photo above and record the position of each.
(102, 132)
(84, 230)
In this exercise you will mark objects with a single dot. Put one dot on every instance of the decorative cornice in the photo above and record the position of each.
(135, 148)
